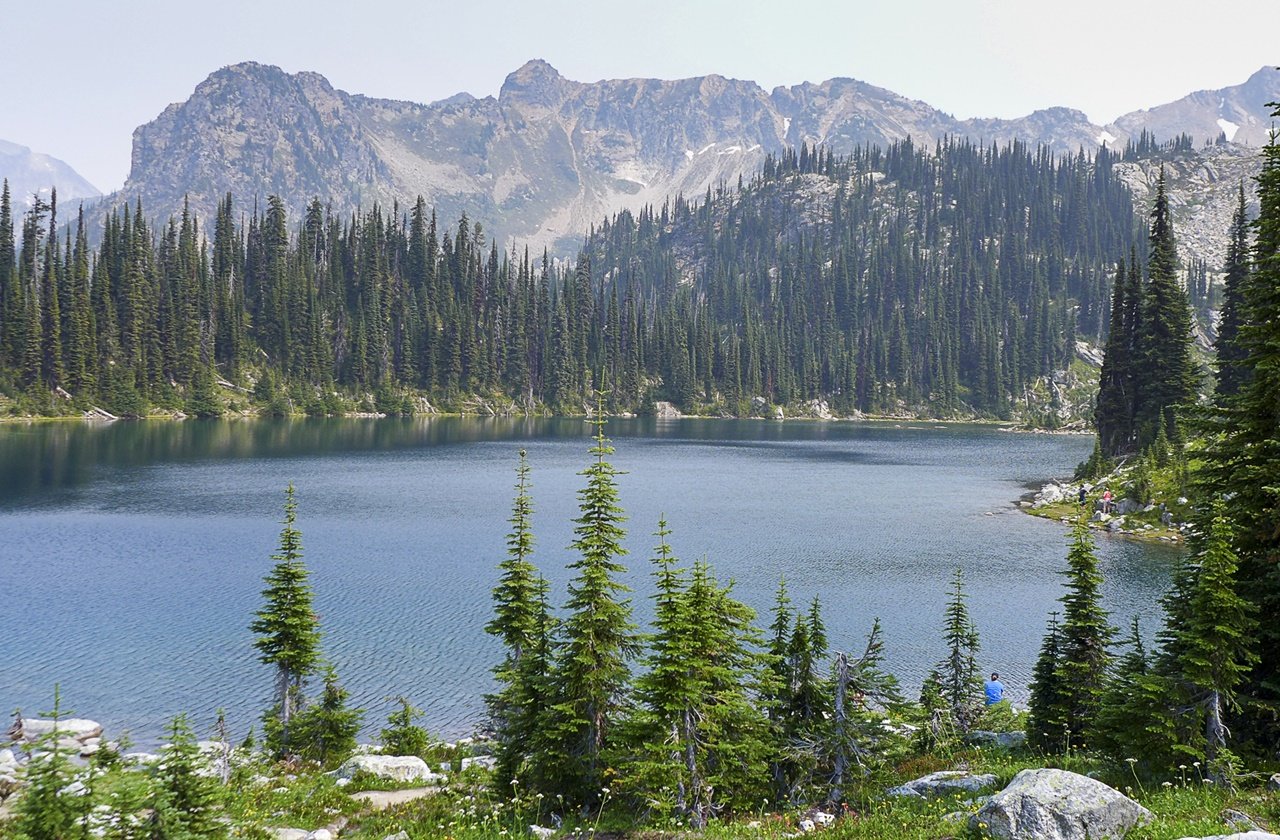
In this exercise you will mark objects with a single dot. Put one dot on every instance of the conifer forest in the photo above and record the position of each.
(934, 281)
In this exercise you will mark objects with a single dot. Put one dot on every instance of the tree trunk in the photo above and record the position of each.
(1215, 737)
(697, 805)
(841, 755)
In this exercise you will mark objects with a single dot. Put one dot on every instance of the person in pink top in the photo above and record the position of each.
(1106, 500)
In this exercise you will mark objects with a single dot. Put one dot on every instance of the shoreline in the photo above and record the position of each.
(1051, 503)
(918, 423)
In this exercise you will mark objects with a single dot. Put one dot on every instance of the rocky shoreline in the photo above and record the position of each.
(1125, 518)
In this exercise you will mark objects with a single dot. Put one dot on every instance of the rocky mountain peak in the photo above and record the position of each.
(536, 83)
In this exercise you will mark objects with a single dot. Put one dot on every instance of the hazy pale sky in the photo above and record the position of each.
(80, 75)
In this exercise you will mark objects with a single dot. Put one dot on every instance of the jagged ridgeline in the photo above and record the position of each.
(935, 281)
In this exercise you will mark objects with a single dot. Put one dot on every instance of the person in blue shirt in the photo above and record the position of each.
(994, 689)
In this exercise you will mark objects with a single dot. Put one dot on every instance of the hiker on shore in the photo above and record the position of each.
(994, 689)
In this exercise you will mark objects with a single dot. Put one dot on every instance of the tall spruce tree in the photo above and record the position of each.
(1047, 711)
(1167, 367)
(1230, 351)
(1113, 416)
(517, 622)
(960, 679)
(1085, 637)
(287, 628)
(701, 737)
(1217, 640)
(592, 673)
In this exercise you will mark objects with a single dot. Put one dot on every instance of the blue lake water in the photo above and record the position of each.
(132, 554)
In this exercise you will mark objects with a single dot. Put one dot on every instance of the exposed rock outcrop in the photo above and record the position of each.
(1058, 805)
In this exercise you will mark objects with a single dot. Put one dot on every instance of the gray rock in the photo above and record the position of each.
(1003, 740)
(1058, 805)
(944, 783)
(8, 759)
(484, 762)
(404, 835)
(289, 833)
(1127, 506)
(1274, 782)
(1051, 494)
(320, 834)
(664, 410)
(1239, 820)
(380, 800)
(77, 728)
(400, 768)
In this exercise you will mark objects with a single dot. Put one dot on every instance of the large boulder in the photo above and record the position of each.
(944, 783)
(77, 728)
(399, 768)
(1058, 805)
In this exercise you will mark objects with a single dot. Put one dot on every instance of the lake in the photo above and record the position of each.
(132, 554)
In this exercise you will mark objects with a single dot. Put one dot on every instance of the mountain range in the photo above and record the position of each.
(32, 173)
(549, 157)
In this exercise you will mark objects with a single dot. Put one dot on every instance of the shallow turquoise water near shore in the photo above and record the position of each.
(133, 553)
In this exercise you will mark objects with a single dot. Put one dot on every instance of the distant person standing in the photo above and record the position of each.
(1106, 500)
(994, 689)
(1083, 495)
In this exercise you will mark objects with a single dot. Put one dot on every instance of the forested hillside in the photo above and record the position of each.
(940, 282)
(933, 281)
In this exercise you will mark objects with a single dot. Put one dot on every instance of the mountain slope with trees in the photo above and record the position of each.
(941, 282)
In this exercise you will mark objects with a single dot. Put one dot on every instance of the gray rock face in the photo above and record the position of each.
(664, 410)
(1058, 805)
(944, 783)
(1203, 189)
(548, 157)
(1274, 782)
